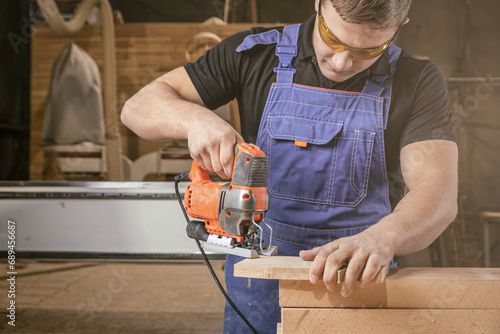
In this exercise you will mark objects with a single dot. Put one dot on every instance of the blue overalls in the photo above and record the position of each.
(327, 171)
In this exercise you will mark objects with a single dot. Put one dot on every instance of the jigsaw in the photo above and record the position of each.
(232, 212)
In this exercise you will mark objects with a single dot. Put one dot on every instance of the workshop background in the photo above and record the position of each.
(152, 37)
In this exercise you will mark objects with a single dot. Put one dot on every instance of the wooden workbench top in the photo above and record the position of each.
(410, 300)
(457, 288)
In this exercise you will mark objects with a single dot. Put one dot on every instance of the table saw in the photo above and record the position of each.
(103, 220)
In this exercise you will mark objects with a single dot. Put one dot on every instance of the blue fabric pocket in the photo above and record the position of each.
(317, 160)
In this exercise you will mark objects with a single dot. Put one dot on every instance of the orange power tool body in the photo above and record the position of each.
(231, 212)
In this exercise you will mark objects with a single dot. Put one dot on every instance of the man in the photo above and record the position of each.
(341, 114)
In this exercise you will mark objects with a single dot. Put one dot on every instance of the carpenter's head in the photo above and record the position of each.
(376, 14)
(350, 35)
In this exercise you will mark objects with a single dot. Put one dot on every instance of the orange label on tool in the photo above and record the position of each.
(300, 143)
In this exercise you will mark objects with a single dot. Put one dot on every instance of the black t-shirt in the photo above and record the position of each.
(419, 105)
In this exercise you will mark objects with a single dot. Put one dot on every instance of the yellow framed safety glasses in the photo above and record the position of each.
(336, 45)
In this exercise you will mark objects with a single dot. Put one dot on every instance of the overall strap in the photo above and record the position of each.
(265, 38)
(381, 85)
(286, 50)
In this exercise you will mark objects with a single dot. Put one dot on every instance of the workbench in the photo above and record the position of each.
(410, 300)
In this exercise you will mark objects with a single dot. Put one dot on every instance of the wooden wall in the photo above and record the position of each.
(143, 52)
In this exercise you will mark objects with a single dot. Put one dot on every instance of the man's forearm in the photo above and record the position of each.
(431, 203)
(430, 173)
(171, 108)
(421, 216)
(157, 112)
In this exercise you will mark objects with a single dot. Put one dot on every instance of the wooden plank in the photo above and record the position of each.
(279, 328)
(396, 293)
(294, 268)
(284, 267)
(274, 267)
(369, 321)
(305, 294)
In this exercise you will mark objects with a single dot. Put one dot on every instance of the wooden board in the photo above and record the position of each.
(372, 321)
(294, 268)
(285, 267)
(394, 293)
(274, 267)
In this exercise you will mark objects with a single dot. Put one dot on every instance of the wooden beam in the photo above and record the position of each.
(319, 321)
(226, 11)
(462, 288)
(254, 11)
(394, 293)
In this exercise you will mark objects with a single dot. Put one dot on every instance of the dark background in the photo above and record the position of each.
(14, 90)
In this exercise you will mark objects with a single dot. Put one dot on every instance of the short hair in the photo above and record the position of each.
(377, 14)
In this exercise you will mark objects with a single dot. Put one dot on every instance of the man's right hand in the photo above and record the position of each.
(171, 108)
(211, 143)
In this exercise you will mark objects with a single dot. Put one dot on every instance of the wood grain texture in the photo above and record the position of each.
(294, 268)
(393, 293)
(284, 267)
(274, 267)
(429, 321)
(437, 288)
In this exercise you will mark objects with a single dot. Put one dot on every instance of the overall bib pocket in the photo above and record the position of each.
(317, 160)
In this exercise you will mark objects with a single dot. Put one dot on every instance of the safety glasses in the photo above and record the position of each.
(336, 45)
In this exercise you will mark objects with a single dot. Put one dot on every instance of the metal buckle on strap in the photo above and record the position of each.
(284, 67)
(285, 53)
(286, 49)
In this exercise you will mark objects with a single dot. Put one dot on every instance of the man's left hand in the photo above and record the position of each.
(366, 252)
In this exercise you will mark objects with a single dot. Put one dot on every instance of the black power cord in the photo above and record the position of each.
(177, 179)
